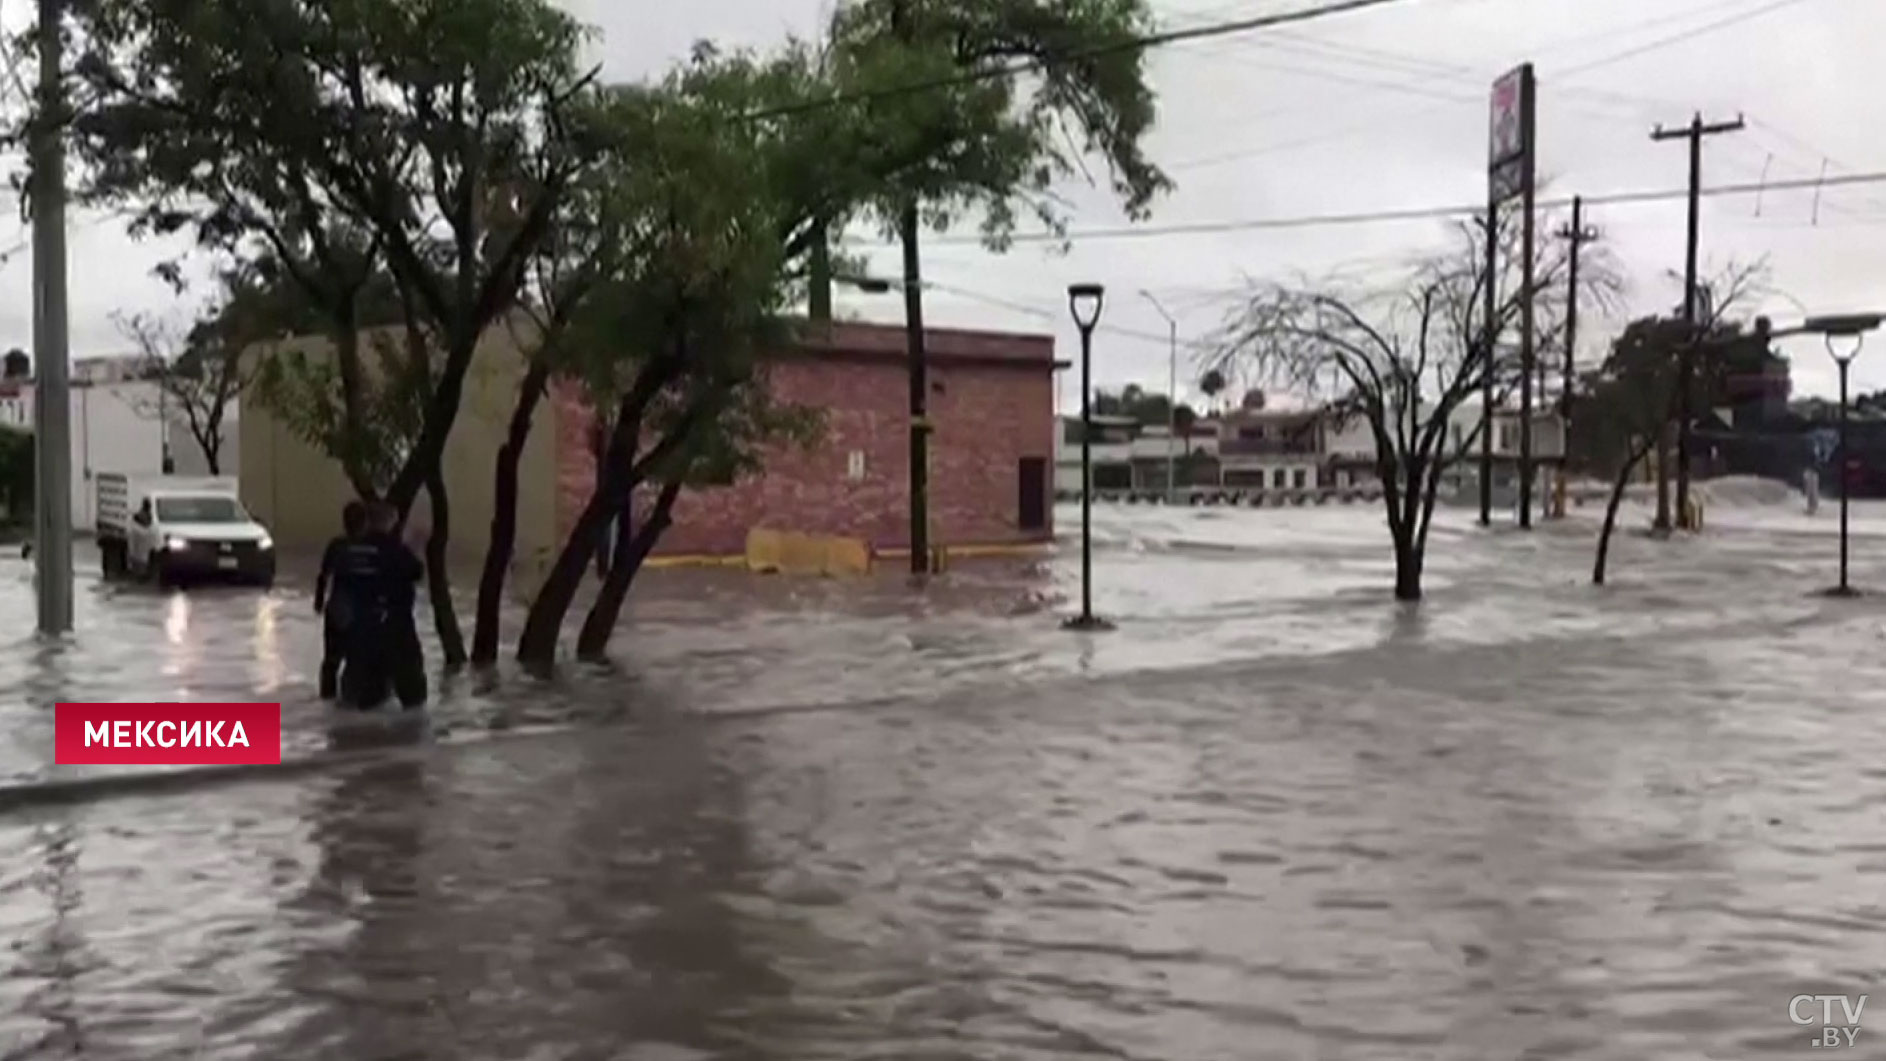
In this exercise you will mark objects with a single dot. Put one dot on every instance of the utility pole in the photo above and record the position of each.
(1686, 356)
(907, 233)
(1172, 398)
(52, 426)
(1526, 352)
(1577, 234)
(1492, 339)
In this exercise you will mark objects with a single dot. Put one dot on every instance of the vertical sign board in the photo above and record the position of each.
(1509, 173)
(1509, 164)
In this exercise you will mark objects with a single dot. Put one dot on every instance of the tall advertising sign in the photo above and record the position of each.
(1509, 163)
(1509, 174)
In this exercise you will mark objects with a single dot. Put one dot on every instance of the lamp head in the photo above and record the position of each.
(870, 285)
(1083, 301)
(1846, 325)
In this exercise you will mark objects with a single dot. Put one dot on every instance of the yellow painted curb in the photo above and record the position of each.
(770, 551)
(964, 552)
(697, 560)
(973, 552)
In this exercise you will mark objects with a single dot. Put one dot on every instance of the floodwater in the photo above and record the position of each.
(1273, 815)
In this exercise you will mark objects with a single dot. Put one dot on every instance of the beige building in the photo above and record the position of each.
(991, 406)
(297, 490)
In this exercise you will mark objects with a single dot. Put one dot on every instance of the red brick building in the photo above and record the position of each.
(991, 401)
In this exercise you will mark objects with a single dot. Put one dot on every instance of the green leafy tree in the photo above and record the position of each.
(724, 449)
(668, 349)
(428, 137)
(996, 142)
(808, 164)
(961, 132)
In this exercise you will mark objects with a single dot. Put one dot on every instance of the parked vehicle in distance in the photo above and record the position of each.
(173, 529)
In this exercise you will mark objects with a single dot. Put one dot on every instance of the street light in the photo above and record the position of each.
(1172, 399)
(1854, 327)
(870, 285)
(1083, 303)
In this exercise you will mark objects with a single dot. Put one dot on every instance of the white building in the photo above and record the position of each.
(1270, 449)
(117, 427)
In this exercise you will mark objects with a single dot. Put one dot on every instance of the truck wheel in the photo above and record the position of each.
(111, 556)
(154, 571)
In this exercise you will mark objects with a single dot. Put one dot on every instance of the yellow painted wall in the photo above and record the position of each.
(294, 489)
(298, 490)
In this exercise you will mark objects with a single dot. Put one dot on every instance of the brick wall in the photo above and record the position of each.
(991, 399)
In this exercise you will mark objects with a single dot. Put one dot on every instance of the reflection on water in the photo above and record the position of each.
(1271, 816)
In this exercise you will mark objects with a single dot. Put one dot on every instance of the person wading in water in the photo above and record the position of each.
(335, 603)
(383, 644)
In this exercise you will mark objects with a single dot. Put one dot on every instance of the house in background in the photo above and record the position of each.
(1270, 449)
(1130, 457)
(991, 403)
(121, 422)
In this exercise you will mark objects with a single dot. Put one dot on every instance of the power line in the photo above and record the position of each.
(1153, 40)
(1683, 37)
(1049, 315)
(1574, 43)
(1423, 213)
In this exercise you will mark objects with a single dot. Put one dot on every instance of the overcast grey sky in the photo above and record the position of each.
(1383, 109)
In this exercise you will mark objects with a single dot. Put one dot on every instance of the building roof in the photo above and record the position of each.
(861, 339)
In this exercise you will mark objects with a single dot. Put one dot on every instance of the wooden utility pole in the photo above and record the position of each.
(1577, 234)
(1527, 351)
(908, 229)
(1489, 342)
(1686, 356)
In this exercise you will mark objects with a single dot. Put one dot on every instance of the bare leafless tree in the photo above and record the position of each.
(1404, 354)
(197, 377)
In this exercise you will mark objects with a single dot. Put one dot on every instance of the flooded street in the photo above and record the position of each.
(1272, 816)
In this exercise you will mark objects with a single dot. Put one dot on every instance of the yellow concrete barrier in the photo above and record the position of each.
(783, 552)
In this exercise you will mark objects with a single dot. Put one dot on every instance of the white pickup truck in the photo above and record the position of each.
(173, 529)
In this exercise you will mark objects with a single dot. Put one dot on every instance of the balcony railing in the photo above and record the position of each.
(1267, 447)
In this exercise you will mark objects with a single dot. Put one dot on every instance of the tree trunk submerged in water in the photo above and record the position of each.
(537, 645)
(1611, 514)
(503, 544)
(439, 576)
(624, 564)
(1408, 564)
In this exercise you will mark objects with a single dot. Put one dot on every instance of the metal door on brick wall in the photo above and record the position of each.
(1032, 504)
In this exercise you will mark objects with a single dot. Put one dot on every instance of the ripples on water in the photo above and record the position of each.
(1273, 816)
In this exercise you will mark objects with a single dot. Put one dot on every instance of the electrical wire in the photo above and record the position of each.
(1559, 46)
(1152, 40)
(1680, 38)
(1423, 213)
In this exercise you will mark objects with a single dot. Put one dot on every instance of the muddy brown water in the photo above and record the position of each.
(1272, 816)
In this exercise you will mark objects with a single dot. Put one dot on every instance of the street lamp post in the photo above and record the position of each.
(1854, 326)
(1172, 399)
(1083, 303)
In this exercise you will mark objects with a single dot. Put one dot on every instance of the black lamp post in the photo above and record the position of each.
(1853, 327)
(1084, 302)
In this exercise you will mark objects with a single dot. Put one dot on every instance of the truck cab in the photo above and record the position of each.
(184, 531)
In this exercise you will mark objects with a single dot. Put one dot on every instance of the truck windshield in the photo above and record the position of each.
(209, 509)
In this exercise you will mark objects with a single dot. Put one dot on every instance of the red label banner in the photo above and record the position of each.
(167, 734)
